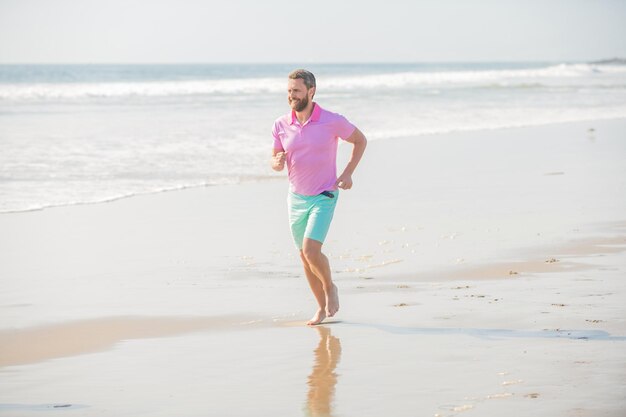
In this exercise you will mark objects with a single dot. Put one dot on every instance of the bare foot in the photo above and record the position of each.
(317, 318)
(332, 301)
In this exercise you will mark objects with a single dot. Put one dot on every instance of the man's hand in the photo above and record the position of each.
(278, 161)
(344, 181)
(358, 140)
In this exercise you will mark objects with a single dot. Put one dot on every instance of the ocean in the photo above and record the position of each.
(76, 134)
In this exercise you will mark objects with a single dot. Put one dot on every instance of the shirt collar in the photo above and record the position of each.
(315, 115)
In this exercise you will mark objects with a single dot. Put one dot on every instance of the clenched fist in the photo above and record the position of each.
(278, 161)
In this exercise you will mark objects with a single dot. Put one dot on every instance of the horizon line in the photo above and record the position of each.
(516, 61)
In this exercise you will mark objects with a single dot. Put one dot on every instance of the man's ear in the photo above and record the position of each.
(312, 91)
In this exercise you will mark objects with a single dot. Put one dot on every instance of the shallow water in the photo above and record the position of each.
(72, 134)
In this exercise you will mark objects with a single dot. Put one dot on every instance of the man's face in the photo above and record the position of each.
(298, 95)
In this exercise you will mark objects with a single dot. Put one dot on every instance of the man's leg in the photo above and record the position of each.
(320, 267)
(318, 292)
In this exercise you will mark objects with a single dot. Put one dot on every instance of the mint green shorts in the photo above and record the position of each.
(310, 216)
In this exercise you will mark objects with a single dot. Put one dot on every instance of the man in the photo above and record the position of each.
(306, 140)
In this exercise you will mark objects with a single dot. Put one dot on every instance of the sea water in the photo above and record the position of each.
(75, 134)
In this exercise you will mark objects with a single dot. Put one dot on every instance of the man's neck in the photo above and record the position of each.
(305, 114)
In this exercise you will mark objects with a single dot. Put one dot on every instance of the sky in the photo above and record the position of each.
(235, 31)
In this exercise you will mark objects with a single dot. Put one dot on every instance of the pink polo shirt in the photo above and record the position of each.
(311, 149)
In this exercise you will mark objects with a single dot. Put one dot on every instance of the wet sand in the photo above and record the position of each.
(40, 343)
(474, 280)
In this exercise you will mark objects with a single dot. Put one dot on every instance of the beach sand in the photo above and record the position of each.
(480, 274)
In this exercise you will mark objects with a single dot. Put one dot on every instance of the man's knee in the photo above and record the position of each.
(311, 250)
(303, 258)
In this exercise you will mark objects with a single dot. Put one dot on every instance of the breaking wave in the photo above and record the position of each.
(562, 74)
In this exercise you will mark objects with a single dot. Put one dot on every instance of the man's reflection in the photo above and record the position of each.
(323, 378)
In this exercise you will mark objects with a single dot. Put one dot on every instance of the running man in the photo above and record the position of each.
(306, 140)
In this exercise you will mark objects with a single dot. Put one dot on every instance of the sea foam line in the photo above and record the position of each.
(233, 180)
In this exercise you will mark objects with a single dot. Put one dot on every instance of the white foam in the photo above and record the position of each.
(476, 77)
(139, 89)
(534, 77)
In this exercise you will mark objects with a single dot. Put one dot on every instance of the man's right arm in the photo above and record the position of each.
(278, 159)
(278, 154)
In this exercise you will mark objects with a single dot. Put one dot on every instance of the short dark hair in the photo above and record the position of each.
(304, 75)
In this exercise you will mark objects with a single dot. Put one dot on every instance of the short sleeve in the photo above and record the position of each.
(277, 143)
(343, 128)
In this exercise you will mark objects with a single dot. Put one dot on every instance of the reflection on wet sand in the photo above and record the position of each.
(323, 378)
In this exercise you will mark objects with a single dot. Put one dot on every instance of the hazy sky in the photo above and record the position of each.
(120, 31)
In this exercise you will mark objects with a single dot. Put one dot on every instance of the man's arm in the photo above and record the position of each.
(278, 159)
(358, 140)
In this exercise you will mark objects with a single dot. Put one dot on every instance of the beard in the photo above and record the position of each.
(299, 105)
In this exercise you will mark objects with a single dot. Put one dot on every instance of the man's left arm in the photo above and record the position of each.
(359, 143)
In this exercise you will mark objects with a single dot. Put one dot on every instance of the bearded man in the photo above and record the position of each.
(306, 141)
